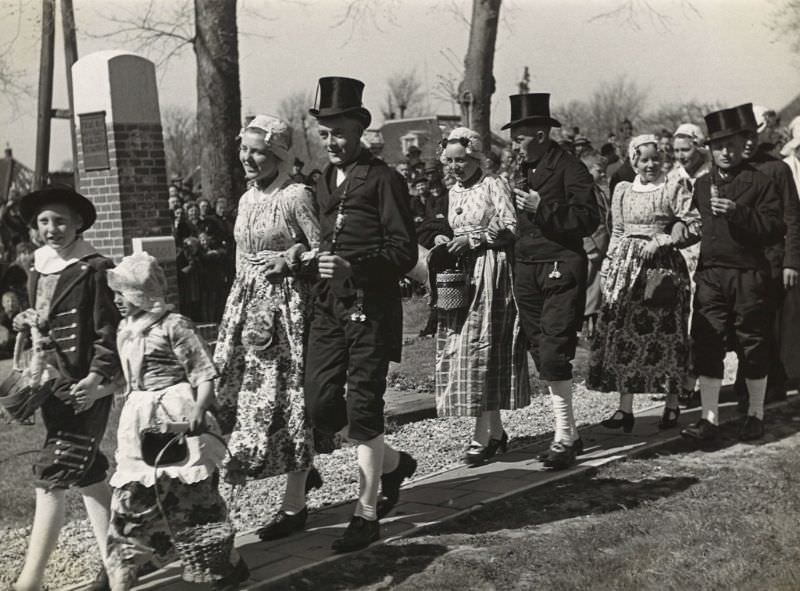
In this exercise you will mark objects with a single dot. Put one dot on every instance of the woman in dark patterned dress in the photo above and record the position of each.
(642, 344)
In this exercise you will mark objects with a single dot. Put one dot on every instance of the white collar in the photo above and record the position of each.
(47, 260)
(642, 187)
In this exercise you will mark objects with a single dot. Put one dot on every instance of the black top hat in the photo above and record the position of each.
(32, 203)
(747, 117)
(531, 108)
(340, 96)
(724, 123)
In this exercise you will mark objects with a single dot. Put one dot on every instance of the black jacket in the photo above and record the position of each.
(378, 237)
(567, 212)
(739, 240)
(786, 253)
(82, 321)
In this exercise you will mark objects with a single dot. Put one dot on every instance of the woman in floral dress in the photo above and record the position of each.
(259, 350)
(642, 344)
(481, 363)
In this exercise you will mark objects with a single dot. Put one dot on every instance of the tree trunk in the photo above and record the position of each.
(475, 91)
(219, 100)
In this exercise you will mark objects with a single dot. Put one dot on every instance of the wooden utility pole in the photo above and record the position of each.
(42, 165)
(70, 57)
(45, 110)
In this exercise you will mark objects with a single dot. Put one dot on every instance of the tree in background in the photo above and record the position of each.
(306, 146)
(209, 27)
(180, 140)
(786, 22)
(404, 94)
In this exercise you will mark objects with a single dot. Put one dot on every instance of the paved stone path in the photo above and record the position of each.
(436, 498)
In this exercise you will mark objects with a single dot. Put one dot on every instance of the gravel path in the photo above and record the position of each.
(435, 443)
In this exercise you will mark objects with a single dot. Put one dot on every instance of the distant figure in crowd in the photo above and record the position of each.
(741, 216)
(260, 351)
(15, 278)
(169, 377)
(582, 146)
(642, 341)
(297, 175)
(596, 245)
(556, 211)
(367, 243)
(784, 263)
(74, 308)
(481, 356)
(189, 284)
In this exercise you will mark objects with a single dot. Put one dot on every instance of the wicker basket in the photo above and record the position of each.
(452, 290)
(204, 550)
(19, 398)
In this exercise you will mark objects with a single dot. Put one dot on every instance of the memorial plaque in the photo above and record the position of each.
(94, 140)
(160, 247)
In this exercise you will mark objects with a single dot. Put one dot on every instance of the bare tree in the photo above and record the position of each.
(210, 28)
(405, 94)
(294, 109)
(615, 101)
(786, 22)
(181, 145)
(670, 116)
(659, 13)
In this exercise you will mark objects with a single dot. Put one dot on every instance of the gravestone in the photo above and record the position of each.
(121, 161)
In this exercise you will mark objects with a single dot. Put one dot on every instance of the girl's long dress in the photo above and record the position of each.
(639, 347)
(259, 351)
(481, 355)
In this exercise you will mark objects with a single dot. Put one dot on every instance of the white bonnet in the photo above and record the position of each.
(692, 131)
(637, 142)
(471, 140)
(277, 134)
(141, 280)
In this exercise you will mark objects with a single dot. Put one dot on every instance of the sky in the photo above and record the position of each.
(714, 51)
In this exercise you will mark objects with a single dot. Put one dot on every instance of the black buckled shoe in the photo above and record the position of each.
(752, 428)
(477, 454)
(620, 420)
(359, 534)
(283, 525)
(232, 581)
(391, 482)
(559, 456)
(100, 582)
(670, 418)
(577, 446)
(313, 480)
(701, 431)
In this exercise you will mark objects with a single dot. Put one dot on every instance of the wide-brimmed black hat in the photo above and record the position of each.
(747, 118)
(32, 203)
(724, 123)
(531, 108)
(338, 96)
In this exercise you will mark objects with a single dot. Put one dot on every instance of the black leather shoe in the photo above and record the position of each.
(670, 418)
(360, 533)
(701, 431)
(100, 582)
(689, 398)
(391, 482)
(620, 420)
(283, 525)
(477, 455)
(559, 456)
(577, 446)
(231, 582)
(752, 428)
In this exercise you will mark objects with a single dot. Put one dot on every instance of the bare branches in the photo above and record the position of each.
(155, 30)
(660, 15)
(181, 147)
(405, 93)
(360, 15)
(785, 21)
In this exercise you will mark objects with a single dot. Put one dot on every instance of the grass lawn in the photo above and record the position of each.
(683, 519)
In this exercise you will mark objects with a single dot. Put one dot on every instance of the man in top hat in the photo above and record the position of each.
(741, 214)
(557, 209)
(367, 244)
(784, 257)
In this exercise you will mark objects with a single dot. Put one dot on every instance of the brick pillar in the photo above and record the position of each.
(121, 159)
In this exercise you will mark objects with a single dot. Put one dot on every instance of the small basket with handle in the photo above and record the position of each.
(20, 394)
(204, 550)
(452, 289)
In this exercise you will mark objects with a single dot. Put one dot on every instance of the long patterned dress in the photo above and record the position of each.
(481, 356)
(638, 347)
(259, 351)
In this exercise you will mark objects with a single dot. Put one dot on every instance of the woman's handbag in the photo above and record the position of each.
(660, 288)
(452, 290)
(155, 442)
(19, 397)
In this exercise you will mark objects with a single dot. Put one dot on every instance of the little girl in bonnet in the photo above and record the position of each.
(170, 379)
